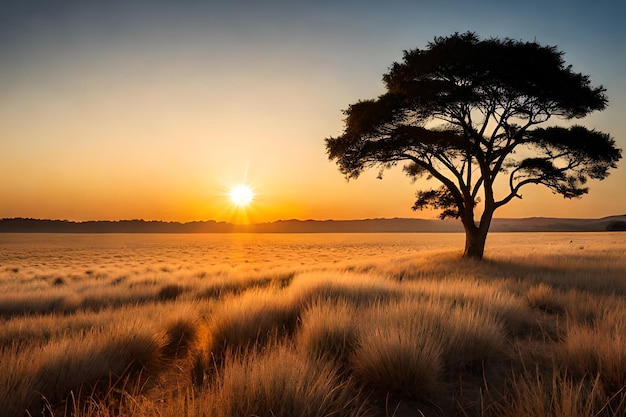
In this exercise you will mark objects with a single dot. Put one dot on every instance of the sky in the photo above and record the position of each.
(155, 109)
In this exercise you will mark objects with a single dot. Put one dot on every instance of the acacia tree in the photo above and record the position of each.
(464, 112)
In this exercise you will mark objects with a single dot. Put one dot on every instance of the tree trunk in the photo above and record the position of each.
(475, 239)
(476, 236)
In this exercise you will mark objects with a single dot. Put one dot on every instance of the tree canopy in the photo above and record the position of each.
(464, 111)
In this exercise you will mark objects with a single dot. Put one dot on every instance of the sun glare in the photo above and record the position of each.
(241, 195)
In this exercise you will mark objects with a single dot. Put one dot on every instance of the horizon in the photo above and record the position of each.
(300, 219)
(160, 110)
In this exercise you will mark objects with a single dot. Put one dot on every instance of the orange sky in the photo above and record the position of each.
(153, 113)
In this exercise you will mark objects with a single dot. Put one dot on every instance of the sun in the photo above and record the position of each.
(241, 195)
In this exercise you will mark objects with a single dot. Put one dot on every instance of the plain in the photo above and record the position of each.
(312, 325)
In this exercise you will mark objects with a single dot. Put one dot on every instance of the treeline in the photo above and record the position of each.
(22, 225)
(396, 225)
(616, 226)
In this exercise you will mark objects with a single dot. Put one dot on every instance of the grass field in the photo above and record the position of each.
(312, 325)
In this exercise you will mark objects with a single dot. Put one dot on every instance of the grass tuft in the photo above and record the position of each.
(282, 383)
(170, 292)
(558, 396)
(183, 336)
(329, 331)
(399, 353)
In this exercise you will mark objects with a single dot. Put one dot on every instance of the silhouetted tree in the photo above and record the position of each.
(462, 111)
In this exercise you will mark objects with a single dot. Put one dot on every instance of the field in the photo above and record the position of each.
(354, 325)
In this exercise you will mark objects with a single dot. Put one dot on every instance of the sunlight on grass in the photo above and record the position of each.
(312, 326)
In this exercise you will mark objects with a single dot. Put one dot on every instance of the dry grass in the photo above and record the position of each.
(35, 375)
(558, 396)
(329, 331)
(399, 352)
(329, 325)
(281, 383)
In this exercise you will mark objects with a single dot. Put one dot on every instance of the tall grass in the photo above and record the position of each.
(334, 328)
(35, 376)
(281, 383)
(558, 396)
(329, 330)
(589, 351)
(399, 353)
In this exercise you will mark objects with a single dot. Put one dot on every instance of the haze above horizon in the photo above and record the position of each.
(157, 110)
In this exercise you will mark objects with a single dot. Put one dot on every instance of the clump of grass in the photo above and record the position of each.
(414, 346)
(118, 280)
(170, 292)
(329, 331)
(17, 384)
(571, 304)
(283, 280)
(357, 289)
(235, 284)
(281, 383)
(471, 339)
(49, 372)
(558, 396)
(485, 296)
(183, 335)
(118, 296)
(251, 319)
(543, 297)
(116, 401)
(589, 351)
(56, 299)
(223, 287)
(399, 353)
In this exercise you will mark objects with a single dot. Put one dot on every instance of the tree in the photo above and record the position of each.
(464, 112)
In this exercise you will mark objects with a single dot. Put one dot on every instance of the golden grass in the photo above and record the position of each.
(328, 330)
(40, 374)
(558, 396)
(399, 351)
(329, 325)
(281, 383)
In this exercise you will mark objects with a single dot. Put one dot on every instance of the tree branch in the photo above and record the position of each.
(432, 170)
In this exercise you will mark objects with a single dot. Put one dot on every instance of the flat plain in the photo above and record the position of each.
(312, 325)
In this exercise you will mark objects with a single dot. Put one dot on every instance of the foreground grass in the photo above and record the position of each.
(536, 330)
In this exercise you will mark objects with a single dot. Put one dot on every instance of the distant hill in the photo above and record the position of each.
(395, 225)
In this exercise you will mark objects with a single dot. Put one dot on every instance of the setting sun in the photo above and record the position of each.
(241, 195)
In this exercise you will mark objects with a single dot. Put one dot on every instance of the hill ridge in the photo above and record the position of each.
(373, 225)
